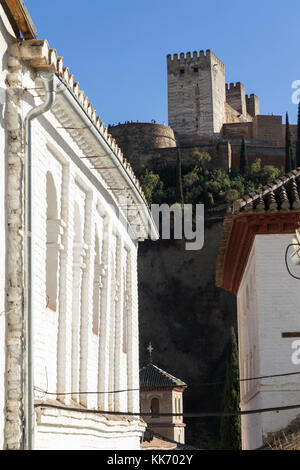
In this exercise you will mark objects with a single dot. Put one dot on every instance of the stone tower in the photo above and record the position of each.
(196, 96)
(160, 392)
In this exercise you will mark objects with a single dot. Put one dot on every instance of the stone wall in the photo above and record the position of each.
(7, 36)
(139, 139)
(268, 128)
(269, 155)
(235, 97)
(196, 96)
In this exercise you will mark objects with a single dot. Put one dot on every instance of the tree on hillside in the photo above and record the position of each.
(230, 429)
(179, 190)
(298, 139)
(243, 159)
(289, 159)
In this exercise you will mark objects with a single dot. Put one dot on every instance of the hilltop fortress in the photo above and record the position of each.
(205, 114)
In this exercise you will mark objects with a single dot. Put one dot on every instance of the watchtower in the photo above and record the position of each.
(196, 96)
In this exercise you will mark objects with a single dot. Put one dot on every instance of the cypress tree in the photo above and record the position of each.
(179, 189)
(298, 139)
(289, 159)
(244, 159)
(230, 429)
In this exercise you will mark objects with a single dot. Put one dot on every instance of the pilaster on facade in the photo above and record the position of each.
(119, 373)
(105, 318)
(133, 334)
(79, 253)
(86, 323)
(64, 346)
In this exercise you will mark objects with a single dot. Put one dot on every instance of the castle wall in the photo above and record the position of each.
(237, 130)
(235, 97)
(252, 104)
(196, 95)
(138, 139)
(268, 154)
(293, 130)
(268, 128)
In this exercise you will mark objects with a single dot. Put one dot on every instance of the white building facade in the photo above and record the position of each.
(252, 265)
(88, 215)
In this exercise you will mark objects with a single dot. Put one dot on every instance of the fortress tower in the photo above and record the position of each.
(196, 96)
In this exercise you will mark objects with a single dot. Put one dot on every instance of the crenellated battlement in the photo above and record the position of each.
(252, 103)
(194, 57)
(234, 86)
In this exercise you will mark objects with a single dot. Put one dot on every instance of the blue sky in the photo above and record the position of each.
(117, 49)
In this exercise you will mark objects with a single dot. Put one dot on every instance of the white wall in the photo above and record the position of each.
(270, 308)
(100, 355)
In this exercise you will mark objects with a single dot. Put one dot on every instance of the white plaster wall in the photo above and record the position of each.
(6, 38)
(273, 308)
(66, 430)
(47, 322)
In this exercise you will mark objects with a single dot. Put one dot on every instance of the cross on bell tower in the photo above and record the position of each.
(150, 350)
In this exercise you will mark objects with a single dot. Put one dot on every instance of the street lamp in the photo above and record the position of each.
(295, 256)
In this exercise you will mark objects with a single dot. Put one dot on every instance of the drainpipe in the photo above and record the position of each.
(49, 84)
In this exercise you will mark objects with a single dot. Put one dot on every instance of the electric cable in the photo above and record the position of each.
(40, 390)
(203, 414)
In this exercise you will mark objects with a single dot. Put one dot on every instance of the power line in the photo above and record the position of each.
(38, 389)
(157, 415)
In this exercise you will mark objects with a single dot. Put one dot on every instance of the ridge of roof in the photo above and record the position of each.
(282, 196)
(153, 376)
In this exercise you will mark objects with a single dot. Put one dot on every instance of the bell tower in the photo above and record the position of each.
(160, 392)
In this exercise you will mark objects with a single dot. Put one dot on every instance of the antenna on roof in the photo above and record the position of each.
(150, 349)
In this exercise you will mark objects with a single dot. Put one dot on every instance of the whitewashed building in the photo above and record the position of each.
(68, 275)
(256, 233)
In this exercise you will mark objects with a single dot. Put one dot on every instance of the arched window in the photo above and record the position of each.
(154, 407)
(53, 239)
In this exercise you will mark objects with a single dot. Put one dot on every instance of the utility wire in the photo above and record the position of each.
(203, 414)
(38, 389)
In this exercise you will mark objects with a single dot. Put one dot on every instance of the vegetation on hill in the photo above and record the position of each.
(195, 183)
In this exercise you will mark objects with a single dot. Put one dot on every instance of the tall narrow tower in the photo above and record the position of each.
(196, 96)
